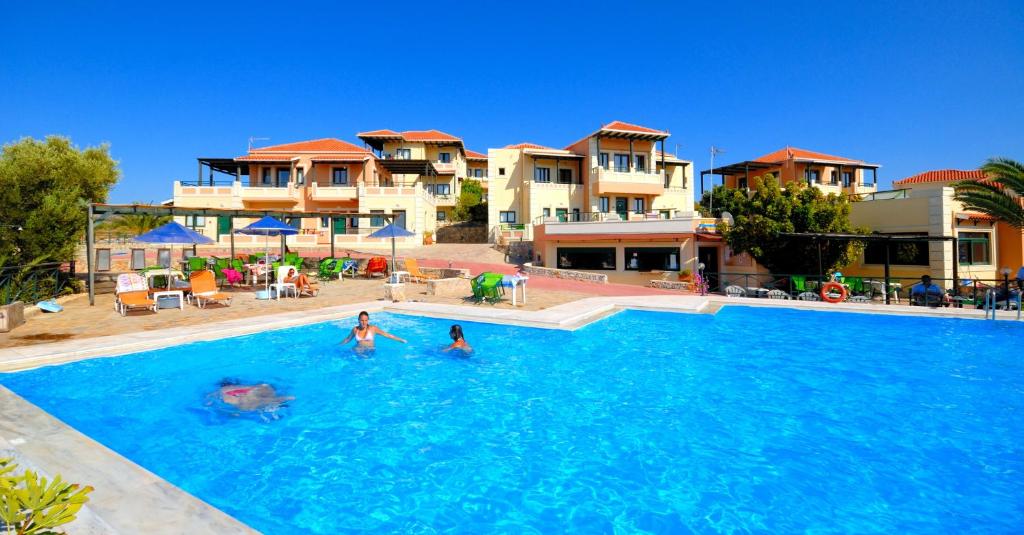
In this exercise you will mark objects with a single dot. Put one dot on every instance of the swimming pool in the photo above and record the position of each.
(752, 420)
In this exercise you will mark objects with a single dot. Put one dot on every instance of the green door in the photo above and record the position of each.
(562, 214)
(223, 226)
(339, 225)
(621, 207)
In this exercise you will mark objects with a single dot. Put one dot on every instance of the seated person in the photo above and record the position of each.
(926, 293)
(458, 340)
(300, 281)
(250, 397)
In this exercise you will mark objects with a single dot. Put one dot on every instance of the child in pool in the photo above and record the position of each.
(458, 340)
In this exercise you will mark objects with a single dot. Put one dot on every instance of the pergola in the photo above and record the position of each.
(558, 157)
(744, 168)
(100, 210)
(818, 237)
(228, 166)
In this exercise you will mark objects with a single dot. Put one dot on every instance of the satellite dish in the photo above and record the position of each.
(727, 219)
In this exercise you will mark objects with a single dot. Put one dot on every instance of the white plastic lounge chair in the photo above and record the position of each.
(735, 291)
(777, 294)
(282, 286)
(859, 299)
(808, 296)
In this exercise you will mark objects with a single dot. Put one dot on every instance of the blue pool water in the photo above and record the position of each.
(754, 420)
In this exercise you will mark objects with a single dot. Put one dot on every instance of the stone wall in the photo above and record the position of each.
(586, 276)
(670, 284)
(461, 233)
(449, 287)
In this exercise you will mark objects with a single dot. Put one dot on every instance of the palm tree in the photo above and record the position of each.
(134, 224)
(999, 195)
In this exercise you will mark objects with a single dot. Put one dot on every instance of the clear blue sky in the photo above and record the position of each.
(912, 86)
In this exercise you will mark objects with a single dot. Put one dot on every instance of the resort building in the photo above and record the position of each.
(323, 175)
(614, 201)
(923, 204)
(427, 159)
(831, 174)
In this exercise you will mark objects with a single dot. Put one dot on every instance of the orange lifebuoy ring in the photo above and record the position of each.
(827, 297)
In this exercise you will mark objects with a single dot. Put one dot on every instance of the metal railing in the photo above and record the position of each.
(880, 195)
(34, 283)
(208, 183)
(577, 217)
(969, 292)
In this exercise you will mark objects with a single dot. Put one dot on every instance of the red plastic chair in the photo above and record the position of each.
(377, 264)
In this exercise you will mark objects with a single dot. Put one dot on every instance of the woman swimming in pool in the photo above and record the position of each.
(365, 332)
(458, 340)
(250, 397)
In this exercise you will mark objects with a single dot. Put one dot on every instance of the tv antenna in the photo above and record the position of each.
(711, 198)
(254, 139)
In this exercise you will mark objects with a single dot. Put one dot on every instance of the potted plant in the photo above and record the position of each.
(685, 275)
(428, 237)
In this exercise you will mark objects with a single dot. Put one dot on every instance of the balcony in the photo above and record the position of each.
(444, 168)
(333, 193)
(445, 200)
(625, 224)
(626, 180)
(271, 193)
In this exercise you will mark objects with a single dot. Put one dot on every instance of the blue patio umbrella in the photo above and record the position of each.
(392, 231)
(268, 226)
(173, 233)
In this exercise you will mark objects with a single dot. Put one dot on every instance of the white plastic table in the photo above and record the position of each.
(510, 281)
(162, 273)
(167, 293)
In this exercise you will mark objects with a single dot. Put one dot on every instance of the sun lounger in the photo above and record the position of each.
(377, 264)
(415, 275)
(735, 291)
(204, 289)
(132, 291)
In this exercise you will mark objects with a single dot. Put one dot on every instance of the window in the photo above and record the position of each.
(652, 258)
(639, 205)
(300, 176)
(973, 247)
(398, 218)
(353, 222)
(640, 162)
(847, 179)
(621, 163)
(902, 253)
(602, 160)
(565, 176)
(835, 177)
(403, 154)
(542, 174)
(478, 173)
(741, 183)
(575, 214)
(507, 217)
(441, 189)
(444, 157)
(596, 258)
(325, 222)
(547, 213)
(441, 216)
(138, 258)
(103, 259)
(377, 220)
(603, 205)
(665, 214)
(195, 221)
(283, 173)
(339, 176)
(501, 171)
(266, 177)
(812, 176)
(163, 257)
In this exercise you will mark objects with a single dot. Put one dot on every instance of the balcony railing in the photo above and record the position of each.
(611, 217)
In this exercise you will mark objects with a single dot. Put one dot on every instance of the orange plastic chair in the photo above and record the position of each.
(377, 264)
(204, 289)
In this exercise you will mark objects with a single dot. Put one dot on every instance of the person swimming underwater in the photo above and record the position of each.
(250, 397)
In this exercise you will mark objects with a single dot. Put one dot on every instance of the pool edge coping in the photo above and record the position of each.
(126, 497)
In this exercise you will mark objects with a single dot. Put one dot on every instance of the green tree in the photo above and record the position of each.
(44, 189)
(725, 200)
(471, 205)
(1000, 195)
(771, 211)
(133, 224)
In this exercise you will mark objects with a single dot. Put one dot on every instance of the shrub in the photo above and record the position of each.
(32, 505)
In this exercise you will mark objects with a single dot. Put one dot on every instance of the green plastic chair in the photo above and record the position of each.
(324, 269)
(487, 287)
(799, 283)
(855, 284)
(253, 258)
(293, 259)
(196, 263)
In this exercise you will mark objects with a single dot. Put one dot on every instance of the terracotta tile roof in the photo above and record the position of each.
(263, 158)
(942, 175)
(787, 153)
(474, 155)
(627, 127)
(976, 215)
(412, 135)
(530, 146)
(316, 145)
(341, 158)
